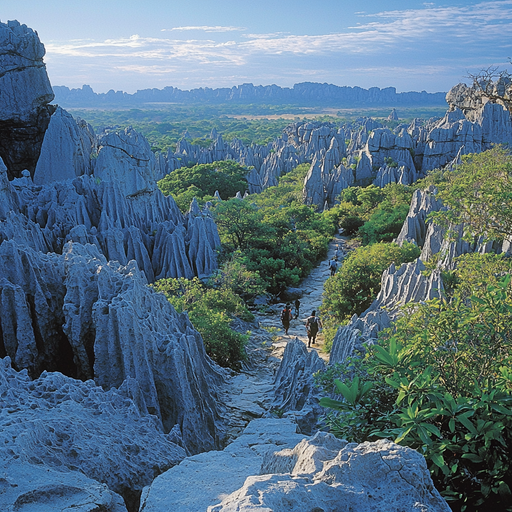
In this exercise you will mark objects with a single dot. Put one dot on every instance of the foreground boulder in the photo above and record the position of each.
(202, 480)
(67, 442)
(329, 475)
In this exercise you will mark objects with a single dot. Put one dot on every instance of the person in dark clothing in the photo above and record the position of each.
(297, 306)
(313, 324)
(286, 317)
(333, 265)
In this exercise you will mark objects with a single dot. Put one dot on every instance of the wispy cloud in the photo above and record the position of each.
(423, 43)
(388, 30)
(205, 28)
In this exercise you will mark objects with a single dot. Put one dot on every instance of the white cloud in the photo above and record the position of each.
(391, 32)
(206, 28)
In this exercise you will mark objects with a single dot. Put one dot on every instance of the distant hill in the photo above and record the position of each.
(306, 93)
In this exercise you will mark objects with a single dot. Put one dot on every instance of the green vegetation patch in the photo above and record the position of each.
(278, 236)
(440, 381)
(211, 312)
(203, 180)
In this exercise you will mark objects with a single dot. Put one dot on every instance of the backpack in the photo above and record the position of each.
(334, 265)
(286, 315)
(313, 324)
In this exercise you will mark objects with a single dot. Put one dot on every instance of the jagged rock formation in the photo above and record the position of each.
(374, 154)
(88, 318)
(324, 473)
(72, 297)
(414, 228)
(26, 93)
(294, 390)
(306, 93)
(66, 150)
(71, 429)
(126, 218)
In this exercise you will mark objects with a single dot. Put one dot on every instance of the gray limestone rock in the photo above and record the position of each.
(414, 228)
(65, 425)
(305, 458)
(88, 318)
(126, 158)
(26, 487)
(376, 477)
(215, 474)
(347, 342)
(66, 149)
(26, 94)
(295, 392)
(313, 192)
(447, 137)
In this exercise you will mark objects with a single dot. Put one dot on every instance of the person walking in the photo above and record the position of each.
(333, 265)
(297, 306)
(313, 324)
(286, 317)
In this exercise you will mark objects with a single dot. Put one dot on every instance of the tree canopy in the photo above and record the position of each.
(478, 193)
(226, 176)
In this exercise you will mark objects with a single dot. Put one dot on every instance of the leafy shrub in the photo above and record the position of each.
(211, 313)
(478, 193)
(440, 382)
(356, 284)
(227, 177)
(384, 224)
(277, 235)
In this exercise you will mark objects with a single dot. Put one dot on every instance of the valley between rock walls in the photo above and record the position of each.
(108, 401)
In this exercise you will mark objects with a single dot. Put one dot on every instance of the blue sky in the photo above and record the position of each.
(129, 45)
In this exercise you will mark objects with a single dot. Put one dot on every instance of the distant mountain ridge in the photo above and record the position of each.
(306, 93)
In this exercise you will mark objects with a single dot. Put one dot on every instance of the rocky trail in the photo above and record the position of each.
(269, 462)
(250, 393)
(203, 480)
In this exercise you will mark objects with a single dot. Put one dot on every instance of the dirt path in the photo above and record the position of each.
(313, 285)
(249, 394)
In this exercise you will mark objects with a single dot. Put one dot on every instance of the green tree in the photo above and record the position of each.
(354, 287)
(478, 193)
(239, 222)
(227, 177)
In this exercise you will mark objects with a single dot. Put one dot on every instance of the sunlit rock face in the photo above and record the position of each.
(325, 473)
(87, 318)
(66, 150)
(24, 101)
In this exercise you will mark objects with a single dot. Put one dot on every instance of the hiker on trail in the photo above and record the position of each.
(337, 252)
(297, 306)
(286, 317)
(333, 265)
(313, 323)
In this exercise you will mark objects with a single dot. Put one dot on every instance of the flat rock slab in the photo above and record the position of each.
(206, 479)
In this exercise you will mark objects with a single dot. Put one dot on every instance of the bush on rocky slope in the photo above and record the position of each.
(440, 382)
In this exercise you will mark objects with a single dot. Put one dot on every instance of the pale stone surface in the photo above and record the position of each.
(68, 425)
(126, 158)
(66, 149)
(89, 318)
(216, 474)
(322, 475)
(414, 228)
(295, 391)
(26, 487)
